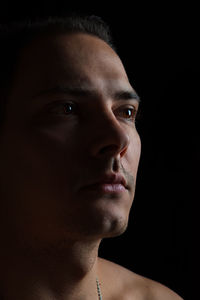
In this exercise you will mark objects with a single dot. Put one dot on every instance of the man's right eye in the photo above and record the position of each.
(65, 108)
(69, 108)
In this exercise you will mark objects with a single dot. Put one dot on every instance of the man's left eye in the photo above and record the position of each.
(128, 113)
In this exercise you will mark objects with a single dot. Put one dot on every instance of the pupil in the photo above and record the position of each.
(68, 108)
(129, 113)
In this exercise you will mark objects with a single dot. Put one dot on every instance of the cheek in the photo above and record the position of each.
(133, 153)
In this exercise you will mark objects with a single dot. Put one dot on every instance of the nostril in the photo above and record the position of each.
(112, 150)
(112, 140)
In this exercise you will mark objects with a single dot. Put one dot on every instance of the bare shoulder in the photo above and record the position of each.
(120, 283)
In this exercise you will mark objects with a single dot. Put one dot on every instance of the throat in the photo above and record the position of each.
(58, 273)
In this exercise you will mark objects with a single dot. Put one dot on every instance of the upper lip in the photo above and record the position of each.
(114, 178)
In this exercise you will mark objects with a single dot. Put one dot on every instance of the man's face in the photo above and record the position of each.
(69, 124)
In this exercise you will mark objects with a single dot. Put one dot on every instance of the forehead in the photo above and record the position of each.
(78, 58)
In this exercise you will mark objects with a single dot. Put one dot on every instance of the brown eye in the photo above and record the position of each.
(62, 108)
(69, 108)
(128, 113)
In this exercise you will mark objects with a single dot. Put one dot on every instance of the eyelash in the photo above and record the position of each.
(131, 117)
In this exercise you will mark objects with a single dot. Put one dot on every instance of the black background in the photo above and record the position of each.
(159, 46)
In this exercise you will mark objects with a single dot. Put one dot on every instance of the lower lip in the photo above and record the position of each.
(107, 187)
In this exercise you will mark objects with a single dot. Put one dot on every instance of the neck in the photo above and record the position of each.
(58, 272)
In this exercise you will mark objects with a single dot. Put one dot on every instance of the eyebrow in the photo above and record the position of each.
(80, 91)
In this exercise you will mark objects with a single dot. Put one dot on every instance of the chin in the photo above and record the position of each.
(113, 220)
(114, 228)
(100, 219)
(108, 225)
(101, 225)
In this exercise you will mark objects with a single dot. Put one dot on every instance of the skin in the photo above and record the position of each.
(50, 227)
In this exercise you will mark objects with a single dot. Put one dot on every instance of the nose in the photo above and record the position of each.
(110, 139)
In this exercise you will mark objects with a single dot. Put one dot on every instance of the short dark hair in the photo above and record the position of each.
(14, 36)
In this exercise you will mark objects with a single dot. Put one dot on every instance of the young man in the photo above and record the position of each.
(69, 154)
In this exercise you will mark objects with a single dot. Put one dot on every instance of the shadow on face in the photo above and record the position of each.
(70, 123)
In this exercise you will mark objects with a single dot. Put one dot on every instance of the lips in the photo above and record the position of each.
(113, 182)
